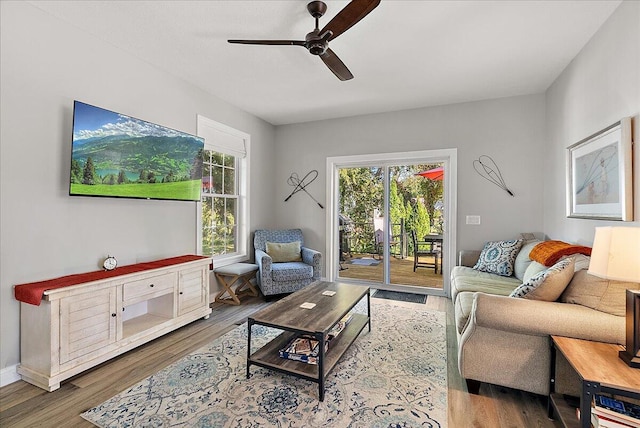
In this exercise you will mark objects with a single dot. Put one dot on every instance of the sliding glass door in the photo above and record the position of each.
(361, 198)
(390, 222)
(416, 212)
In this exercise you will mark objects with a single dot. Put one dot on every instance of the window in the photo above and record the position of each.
(219, 203)
(223, 212)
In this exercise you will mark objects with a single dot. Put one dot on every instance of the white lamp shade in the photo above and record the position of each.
(616, 253)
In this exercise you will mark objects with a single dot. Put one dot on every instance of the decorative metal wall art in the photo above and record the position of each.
(300, 185)
(487, 169)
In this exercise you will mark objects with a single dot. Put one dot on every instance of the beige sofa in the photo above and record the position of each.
(505, 340)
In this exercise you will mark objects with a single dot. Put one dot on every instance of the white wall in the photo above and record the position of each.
(598, 88)
(45, 233)
(510, 130)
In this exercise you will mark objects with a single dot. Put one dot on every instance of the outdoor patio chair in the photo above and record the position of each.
(425, 249)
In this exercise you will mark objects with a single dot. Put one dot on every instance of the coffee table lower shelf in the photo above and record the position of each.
(268, 356)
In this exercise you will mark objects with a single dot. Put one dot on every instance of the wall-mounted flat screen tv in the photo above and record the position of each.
(115, 155)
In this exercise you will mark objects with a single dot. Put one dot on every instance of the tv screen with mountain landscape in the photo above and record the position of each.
(115, 155)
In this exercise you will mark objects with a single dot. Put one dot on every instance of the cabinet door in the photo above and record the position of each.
(192, 290)
(88, 322)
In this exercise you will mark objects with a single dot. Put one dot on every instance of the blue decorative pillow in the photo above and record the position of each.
(498, 257)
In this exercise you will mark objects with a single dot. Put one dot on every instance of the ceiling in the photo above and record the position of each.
(404, 54)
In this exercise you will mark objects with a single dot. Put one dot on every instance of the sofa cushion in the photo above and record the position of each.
(498, 257)
(581, 261)
(598, 293)
(547, 285)
(533, 269)
(463, 306)
(522, 259)
(284, 251)
(468, 279)
(291, 271)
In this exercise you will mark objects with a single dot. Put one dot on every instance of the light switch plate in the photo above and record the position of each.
(473, 219)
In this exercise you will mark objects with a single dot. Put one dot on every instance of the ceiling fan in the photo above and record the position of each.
(317, 41)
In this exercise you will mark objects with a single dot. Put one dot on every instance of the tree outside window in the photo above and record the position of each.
(415, 202)
(219, 203)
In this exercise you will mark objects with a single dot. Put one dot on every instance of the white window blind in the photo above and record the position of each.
(220, 138)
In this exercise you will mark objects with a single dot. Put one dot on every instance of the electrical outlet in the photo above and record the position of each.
(473, 219)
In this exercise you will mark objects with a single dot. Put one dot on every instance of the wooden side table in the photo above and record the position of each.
(228, 276)
(600, 370)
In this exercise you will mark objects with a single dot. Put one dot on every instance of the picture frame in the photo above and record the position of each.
(599, 175)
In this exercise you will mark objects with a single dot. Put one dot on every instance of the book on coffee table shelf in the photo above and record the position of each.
(599, 421)
(304, 348)
(337, 329)
(602, 422)
(612, 412)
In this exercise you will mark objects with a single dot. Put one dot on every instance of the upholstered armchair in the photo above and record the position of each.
(285, 264)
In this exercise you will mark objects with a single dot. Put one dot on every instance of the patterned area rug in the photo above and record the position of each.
(395, 376)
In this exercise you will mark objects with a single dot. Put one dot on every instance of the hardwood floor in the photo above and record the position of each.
(24, 405)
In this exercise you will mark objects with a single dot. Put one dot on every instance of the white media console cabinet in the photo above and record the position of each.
(76, 327)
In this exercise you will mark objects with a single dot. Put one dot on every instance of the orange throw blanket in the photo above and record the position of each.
(549, 252)
(32, 293)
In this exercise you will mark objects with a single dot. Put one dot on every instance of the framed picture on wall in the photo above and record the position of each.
(599, 175)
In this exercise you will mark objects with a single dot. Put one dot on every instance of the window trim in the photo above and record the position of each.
(207, 128)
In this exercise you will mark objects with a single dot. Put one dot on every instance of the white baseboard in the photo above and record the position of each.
(9, 375)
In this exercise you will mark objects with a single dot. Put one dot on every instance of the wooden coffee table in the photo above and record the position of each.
(287, 315)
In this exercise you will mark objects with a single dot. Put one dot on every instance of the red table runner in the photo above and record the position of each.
(32, 293)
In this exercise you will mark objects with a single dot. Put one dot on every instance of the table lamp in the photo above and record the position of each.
(616, 255)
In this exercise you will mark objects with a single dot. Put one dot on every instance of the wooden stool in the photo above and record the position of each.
(229, 275)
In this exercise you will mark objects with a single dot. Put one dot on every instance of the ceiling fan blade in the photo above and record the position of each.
(349, 16)
(268, 42)
(336, 65)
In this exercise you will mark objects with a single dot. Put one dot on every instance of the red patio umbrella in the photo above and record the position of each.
(433, 174)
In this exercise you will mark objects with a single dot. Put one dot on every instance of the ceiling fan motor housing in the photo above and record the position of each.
(316, 44)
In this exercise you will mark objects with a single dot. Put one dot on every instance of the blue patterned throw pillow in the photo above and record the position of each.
(498, 257)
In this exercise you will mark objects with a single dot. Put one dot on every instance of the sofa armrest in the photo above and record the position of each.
(539, 318)
(264, 261)
(309, 256)
(313, 258)
(468, 258)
